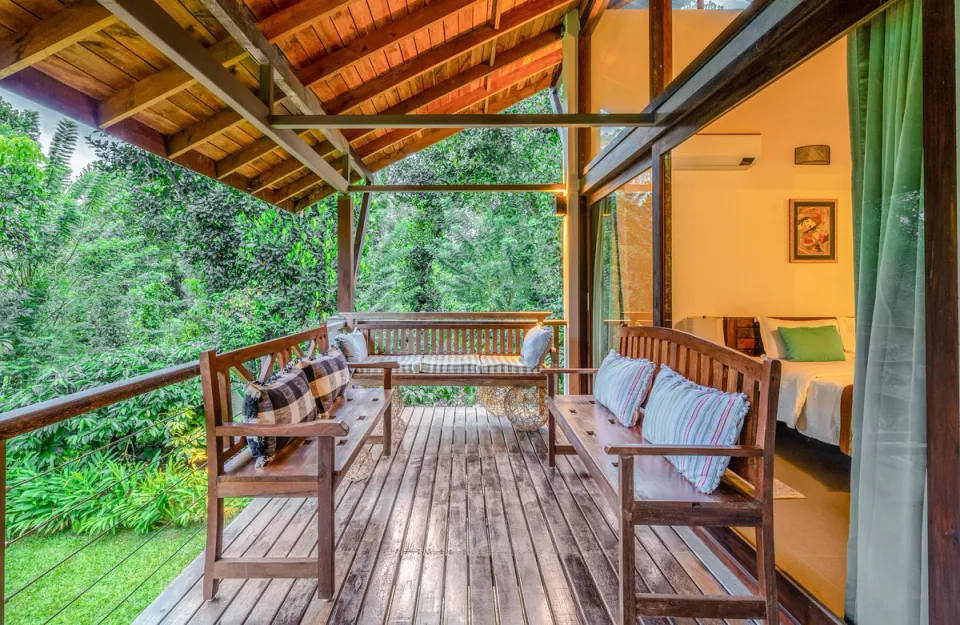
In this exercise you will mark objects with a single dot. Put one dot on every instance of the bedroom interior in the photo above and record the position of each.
(732, 187)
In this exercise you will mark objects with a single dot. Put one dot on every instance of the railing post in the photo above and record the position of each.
(3, 517)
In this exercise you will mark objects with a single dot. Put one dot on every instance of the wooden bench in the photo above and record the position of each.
(312, 465)
(640, 482)
(478, 338)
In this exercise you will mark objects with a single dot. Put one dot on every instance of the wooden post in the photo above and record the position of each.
(628, 596)
(661, 70)
(325, 512)
(572, 226)
(361, 234)
(345, 264)
(942, 314)
(388, 415)
(3, 517)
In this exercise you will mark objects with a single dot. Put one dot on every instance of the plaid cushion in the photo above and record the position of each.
(504, 364)
(328, 376)
(409, 363)
(450, 363)
(283, 399)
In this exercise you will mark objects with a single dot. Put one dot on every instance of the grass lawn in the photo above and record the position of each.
(108, 600)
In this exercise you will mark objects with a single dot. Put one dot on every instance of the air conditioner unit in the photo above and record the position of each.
(703, 152)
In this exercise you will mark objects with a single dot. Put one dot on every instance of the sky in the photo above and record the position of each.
(84, 154)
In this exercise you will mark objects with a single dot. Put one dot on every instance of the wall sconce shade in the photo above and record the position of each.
(560, 202)
(812, 155)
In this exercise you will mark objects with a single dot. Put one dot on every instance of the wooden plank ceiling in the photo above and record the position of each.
(357, 56)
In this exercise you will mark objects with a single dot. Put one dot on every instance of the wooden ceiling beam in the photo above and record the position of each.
(201, 132)
(45, 90)
(152, 23)
(590, 16)
(272, 176)
(444, 53)
(145, 93)
(544, 42)
(372, 43)
(242, 24)
(48, 37)
(298, 17)
(444, 120)
(463, 103)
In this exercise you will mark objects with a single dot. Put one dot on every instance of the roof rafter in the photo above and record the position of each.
(192, 136)
(541, 43)
(154, 88)
(298, 17)
(502, 83)
(152, 23)
(444, 53)
(429, 138)
(50, 36)
(241, 23)
(368, 45)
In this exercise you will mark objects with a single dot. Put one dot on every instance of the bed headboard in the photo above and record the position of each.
(743, 333)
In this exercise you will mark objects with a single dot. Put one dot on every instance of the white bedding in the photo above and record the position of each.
(810, 397)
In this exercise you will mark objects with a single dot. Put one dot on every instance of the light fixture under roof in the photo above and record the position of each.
(812, 155)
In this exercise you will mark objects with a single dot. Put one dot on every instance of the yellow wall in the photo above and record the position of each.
(730, 227)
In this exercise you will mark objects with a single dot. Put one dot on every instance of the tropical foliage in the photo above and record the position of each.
(134, 264)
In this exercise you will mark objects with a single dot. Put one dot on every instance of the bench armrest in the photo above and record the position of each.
(308, 429)
(387, 364)
(644, 449)
(584, 371)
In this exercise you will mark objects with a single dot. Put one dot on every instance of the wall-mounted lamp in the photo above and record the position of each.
(560, 202)
(812, 155)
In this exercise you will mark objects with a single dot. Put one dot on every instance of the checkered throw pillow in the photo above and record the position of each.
(283, 399)
(328, 376)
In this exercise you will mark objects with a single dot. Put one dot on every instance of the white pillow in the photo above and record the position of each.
(535, 346)
(848, 334)
(353, 346)
(773, 345)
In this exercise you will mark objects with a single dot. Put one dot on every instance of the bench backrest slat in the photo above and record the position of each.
(722, 368)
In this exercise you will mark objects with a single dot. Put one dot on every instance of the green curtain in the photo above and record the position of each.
(886, 564)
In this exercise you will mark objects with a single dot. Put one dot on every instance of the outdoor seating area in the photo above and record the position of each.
(464, 523)
(480, 312)
(457, 349)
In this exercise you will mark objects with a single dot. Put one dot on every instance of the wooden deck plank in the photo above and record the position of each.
(465, 523)
(380, 587)
(509, 602)
(403, 605)
(430, 600)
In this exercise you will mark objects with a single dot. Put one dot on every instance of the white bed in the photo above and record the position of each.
(816, 398)
(812, 398)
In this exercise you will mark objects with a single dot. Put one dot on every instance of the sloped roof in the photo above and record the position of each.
(357, 56)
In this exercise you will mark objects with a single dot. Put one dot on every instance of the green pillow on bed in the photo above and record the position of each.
(817, 344)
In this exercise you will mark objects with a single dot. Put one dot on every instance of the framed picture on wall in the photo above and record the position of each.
(813, 231)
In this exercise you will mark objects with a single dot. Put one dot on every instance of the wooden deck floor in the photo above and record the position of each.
(465, 523)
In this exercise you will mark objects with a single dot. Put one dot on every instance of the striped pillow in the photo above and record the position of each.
(622, 384)
(681, 412)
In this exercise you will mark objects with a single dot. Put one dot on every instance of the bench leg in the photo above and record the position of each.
(551, 439)
(628, 594)
(325, 571)
(767, 569)
(388, 431)
(214, 549)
